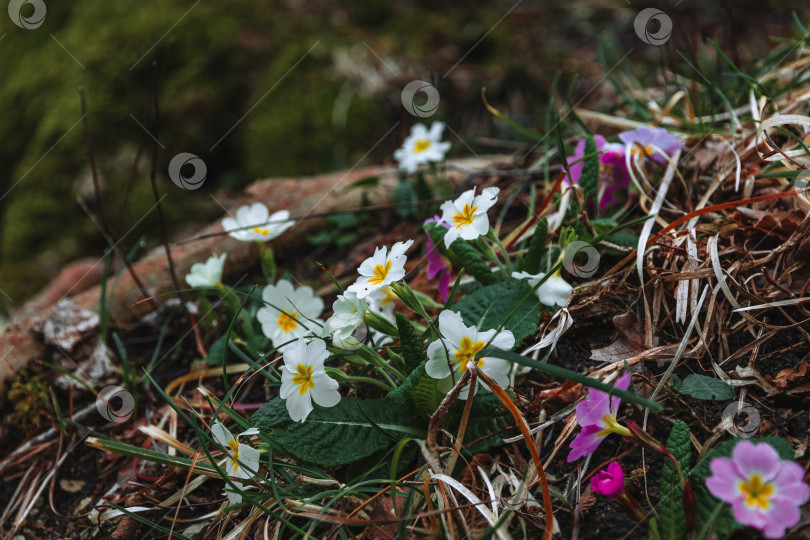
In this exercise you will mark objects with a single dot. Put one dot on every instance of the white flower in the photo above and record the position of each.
(289, 313)
(253, 223)
(467, 215)
(347, 316)
(207, 274)
(303, 379)
(554, 292)
(381, 302)
(242, 460)
(381, 269)
(461, 344)
(421, 146)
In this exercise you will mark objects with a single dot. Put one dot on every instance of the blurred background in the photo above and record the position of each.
(271, 89)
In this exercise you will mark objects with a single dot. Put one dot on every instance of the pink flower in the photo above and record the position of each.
(597, 416)
(613, 173)
(437, 264)
(643, 139)
(609, 483)
(764, 491)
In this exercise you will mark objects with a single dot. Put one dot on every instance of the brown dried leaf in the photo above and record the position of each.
(788, 375)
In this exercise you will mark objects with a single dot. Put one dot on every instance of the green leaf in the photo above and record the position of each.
(589, 179)
(537, 247)
(670, 510)
(489, 306)
(350, 431)
(426, 395)
(412, 350)
(463, 255)
(365, 182)
(627, 239)
(216, 352)
(414, 357)
(405, 195)
(703, 387)
(725, 522)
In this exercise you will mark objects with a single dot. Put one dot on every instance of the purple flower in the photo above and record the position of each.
(437, 264)
(597, 416)
(764, 491)
(645, 138)
(613, 173)
(609, 483)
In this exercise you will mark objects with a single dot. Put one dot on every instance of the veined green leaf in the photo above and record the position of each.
(350, 431)
(703, 387)
(670, 509)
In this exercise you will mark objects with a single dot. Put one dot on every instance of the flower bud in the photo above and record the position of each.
(689, 503)
(648, 440)
(609, 483)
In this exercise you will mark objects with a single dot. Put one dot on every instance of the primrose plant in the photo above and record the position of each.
(392, 367)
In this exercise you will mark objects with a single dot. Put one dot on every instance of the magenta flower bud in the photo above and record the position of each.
(689, 503)
(609, 483)
(438, 265)
(649, 441)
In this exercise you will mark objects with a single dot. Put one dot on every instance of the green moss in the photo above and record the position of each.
(29, 400)
(220, 68)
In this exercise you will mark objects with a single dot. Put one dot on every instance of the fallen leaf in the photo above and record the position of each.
(788, 375)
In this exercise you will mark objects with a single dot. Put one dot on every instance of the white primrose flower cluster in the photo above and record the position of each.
(290, 315)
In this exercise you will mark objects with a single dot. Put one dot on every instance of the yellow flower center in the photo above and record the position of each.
(613, 426)
(467, 351)
(380, 273)
(466, 216)
(756, 492)
(234, 446)
(287, 322)
(303, 379)
(261, 230)
(640, 152)
(388, 296)
(421, 145)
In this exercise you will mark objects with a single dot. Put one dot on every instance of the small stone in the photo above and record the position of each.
(71, 486)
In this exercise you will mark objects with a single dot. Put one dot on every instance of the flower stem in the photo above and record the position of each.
(494, 237)
(340, 376)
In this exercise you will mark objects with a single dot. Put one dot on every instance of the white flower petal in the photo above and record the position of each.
(221, 433)
(248, 461)
(504, 340)
(452, 327)
(436, 366)
(299, 406)
(234, 497)
(325, 392)
(554, 292)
